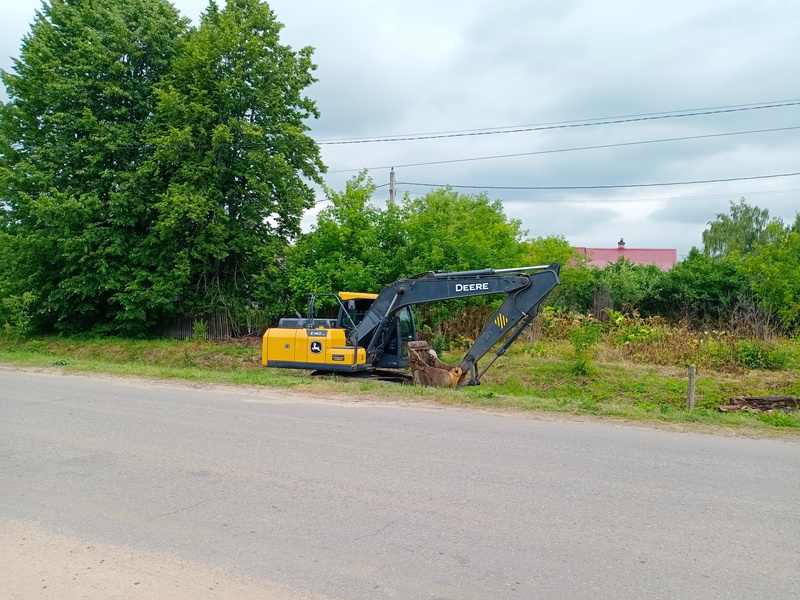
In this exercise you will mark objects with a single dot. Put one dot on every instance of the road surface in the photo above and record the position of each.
(133, 489)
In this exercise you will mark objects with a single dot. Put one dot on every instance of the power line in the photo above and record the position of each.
(573, 149)
(645, 200)
(626, 200)
(597, 187)
(562, 124)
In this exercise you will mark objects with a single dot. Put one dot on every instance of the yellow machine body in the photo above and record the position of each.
(318, 348)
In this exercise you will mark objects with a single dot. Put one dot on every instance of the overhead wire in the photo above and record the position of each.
(669, 199)
(597, 187)
(562, 124)
(618, 200)
(571, 149)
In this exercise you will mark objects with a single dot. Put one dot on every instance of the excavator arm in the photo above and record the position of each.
(525, 289)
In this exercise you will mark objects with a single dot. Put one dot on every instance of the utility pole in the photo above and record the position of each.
(391, 186)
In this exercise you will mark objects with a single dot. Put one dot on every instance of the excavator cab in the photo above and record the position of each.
(354, 306)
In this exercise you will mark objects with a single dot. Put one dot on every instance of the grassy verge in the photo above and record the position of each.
(521, 380)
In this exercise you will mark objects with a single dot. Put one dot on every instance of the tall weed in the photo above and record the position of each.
(584, 338)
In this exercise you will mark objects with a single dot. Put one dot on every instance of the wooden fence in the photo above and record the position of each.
(220, 325)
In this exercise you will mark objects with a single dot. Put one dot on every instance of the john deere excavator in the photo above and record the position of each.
(376, 331)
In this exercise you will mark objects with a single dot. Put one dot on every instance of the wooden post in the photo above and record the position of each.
(391, 186)
(690, 400)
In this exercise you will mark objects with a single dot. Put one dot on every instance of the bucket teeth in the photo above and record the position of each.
(428, 370)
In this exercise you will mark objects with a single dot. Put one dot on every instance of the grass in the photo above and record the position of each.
(536, 376)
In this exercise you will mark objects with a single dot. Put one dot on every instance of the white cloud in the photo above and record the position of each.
(392, 68)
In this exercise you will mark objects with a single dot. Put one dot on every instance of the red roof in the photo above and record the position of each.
(663, 258)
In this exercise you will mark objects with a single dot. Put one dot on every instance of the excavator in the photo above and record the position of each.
(376, 331)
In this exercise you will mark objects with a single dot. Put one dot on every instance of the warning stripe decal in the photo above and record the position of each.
(501, 321)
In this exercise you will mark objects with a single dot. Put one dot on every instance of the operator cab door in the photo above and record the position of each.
(400, 332)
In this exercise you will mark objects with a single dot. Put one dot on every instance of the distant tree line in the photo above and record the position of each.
(152, 170)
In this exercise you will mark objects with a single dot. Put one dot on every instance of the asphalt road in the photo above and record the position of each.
(362, 500)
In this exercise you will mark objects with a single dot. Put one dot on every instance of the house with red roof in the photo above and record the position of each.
(663, 258)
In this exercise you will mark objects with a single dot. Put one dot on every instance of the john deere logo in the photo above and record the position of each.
(316, 347)
(501, 321)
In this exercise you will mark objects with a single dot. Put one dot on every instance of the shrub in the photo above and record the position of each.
(755, 354)
(15, 316)
(199, 331)
(584, 340)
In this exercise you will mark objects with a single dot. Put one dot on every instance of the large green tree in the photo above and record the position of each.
(81, 93)
(233, 160)
(149, 170)
(737, 232)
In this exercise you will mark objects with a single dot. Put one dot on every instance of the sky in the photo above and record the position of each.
(573, 113)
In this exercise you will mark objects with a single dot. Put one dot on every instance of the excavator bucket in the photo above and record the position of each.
(428, 370)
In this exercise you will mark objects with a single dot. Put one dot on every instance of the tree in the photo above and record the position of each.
(701, 289)
(630, 286)
(577, 279)
(152, 171)
(445, 230)
(545, 250)
(795, 226)
(738, 232)
(357, 246)
(350, 248)
(70, 147)
(232, 159)
(773, 273)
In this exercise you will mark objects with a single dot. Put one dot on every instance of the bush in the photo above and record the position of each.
(584, 340)
(755, 354)
(626, 330)
(15, 316)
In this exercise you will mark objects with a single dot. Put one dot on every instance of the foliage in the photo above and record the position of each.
(71, 138)
(700, 289)
(737, 233)
(578, 281)
(232, 156)
(350, 248)
(584, 339)
(357, 246)
(756, 354)
(199, 331)
(773, 272)
(447, 231)
(546, 250)
(15, 316)
(151, 170)
(628, 330)
(778, 418)
(630, 285)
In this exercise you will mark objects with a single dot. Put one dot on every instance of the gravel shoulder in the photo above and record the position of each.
(43, 564)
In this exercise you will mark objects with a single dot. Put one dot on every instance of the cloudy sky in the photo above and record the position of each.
(571, 112)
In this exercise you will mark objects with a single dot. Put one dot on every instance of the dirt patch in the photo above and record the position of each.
(42, 564)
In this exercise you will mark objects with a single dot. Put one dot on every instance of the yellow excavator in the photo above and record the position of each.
(376, 331)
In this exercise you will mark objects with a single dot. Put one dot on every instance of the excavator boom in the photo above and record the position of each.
(525, 289)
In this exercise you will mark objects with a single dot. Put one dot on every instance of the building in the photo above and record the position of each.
(663, 258)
